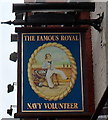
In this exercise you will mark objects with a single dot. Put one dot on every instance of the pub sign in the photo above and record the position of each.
(52, 78)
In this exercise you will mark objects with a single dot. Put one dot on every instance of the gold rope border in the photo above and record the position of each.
(73, 65)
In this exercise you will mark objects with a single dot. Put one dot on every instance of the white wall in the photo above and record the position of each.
(106, 37)
(45, 1)
(99, 54)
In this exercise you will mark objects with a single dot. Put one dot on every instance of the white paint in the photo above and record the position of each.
(27, 1)
(99, 54)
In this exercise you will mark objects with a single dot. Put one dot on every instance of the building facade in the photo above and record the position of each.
(99, 47)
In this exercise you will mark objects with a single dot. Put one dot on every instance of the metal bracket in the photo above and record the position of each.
(97, 23)
(48, 19)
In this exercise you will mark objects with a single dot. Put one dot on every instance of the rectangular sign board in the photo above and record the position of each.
(52, 78)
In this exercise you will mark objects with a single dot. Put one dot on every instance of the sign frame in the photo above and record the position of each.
(86, 66)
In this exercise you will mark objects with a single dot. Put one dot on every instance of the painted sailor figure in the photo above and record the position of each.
(48, 64)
